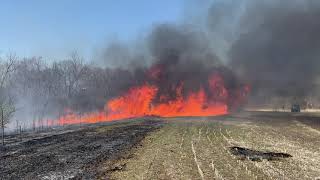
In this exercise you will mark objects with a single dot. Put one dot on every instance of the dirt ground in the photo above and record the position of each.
(86, 153)
(199, 148)
(173, 148)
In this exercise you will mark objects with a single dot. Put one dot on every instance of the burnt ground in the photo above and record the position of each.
(254, 155)
(87, 153)
(243, 145)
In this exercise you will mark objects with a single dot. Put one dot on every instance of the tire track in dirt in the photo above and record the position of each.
(200, 150)
(196, 161)
(244, 169)
(275, 139)
(265, 166)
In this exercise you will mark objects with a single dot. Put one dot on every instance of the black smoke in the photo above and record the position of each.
(175, 56)
(277, 47)
(184, 56)
(270, 44)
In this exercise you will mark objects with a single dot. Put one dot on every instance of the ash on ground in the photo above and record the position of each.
(86, 153)
(254, 155)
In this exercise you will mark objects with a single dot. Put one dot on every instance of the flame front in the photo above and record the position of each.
(140, 101)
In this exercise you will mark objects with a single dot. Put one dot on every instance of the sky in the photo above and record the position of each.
(55, 28)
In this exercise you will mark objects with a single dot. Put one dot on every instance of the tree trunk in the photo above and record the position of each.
(20, 133)
(2, 125)
(34, 124)
(2, 136)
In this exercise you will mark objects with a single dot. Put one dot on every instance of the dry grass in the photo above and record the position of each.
(199, 149)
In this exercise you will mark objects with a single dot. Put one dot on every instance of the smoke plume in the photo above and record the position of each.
(272, 45)
(183, 55)
(277, 47)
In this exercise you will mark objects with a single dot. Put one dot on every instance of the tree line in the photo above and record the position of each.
(33, 89)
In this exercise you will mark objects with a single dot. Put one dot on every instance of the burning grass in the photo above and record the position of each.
(158, 96)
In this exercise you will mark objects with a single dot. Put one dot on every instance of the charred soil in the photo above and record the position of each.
(80, 154)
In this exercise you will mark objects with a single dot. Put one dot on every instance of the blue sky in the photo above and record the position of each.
(54, 28)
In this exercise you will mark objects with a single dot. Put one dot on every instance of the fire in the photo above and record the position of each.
(141, 101)
(136, 103)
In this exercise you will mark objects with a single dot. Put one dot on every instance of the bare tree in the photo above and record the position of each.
(45, 90)
(73, 71)
(7, 107)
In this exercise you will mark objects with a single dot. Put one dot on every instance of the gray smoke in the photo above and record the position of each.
(177, 56)
(274, 45)
(270, 44)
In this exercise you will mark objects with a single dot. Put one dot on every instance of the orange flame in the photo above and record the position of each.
(138, 102)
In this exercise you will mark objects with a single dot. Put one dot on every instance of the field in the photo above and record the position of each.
(172, 148)
(85, 153)
(199, 148)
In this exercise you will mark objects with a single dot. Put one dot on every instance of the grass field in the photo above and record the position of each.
(170, 148)
(198, 148)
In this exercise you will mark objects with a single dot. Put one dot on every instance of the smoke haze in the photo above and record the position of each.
(277, 48)
(271, 45)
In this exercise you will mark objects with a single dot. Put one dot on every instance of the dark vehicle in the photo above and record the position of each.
(295, 108)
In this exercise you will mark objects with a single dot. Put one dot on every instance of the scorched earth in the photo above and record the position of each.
(173, 148)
